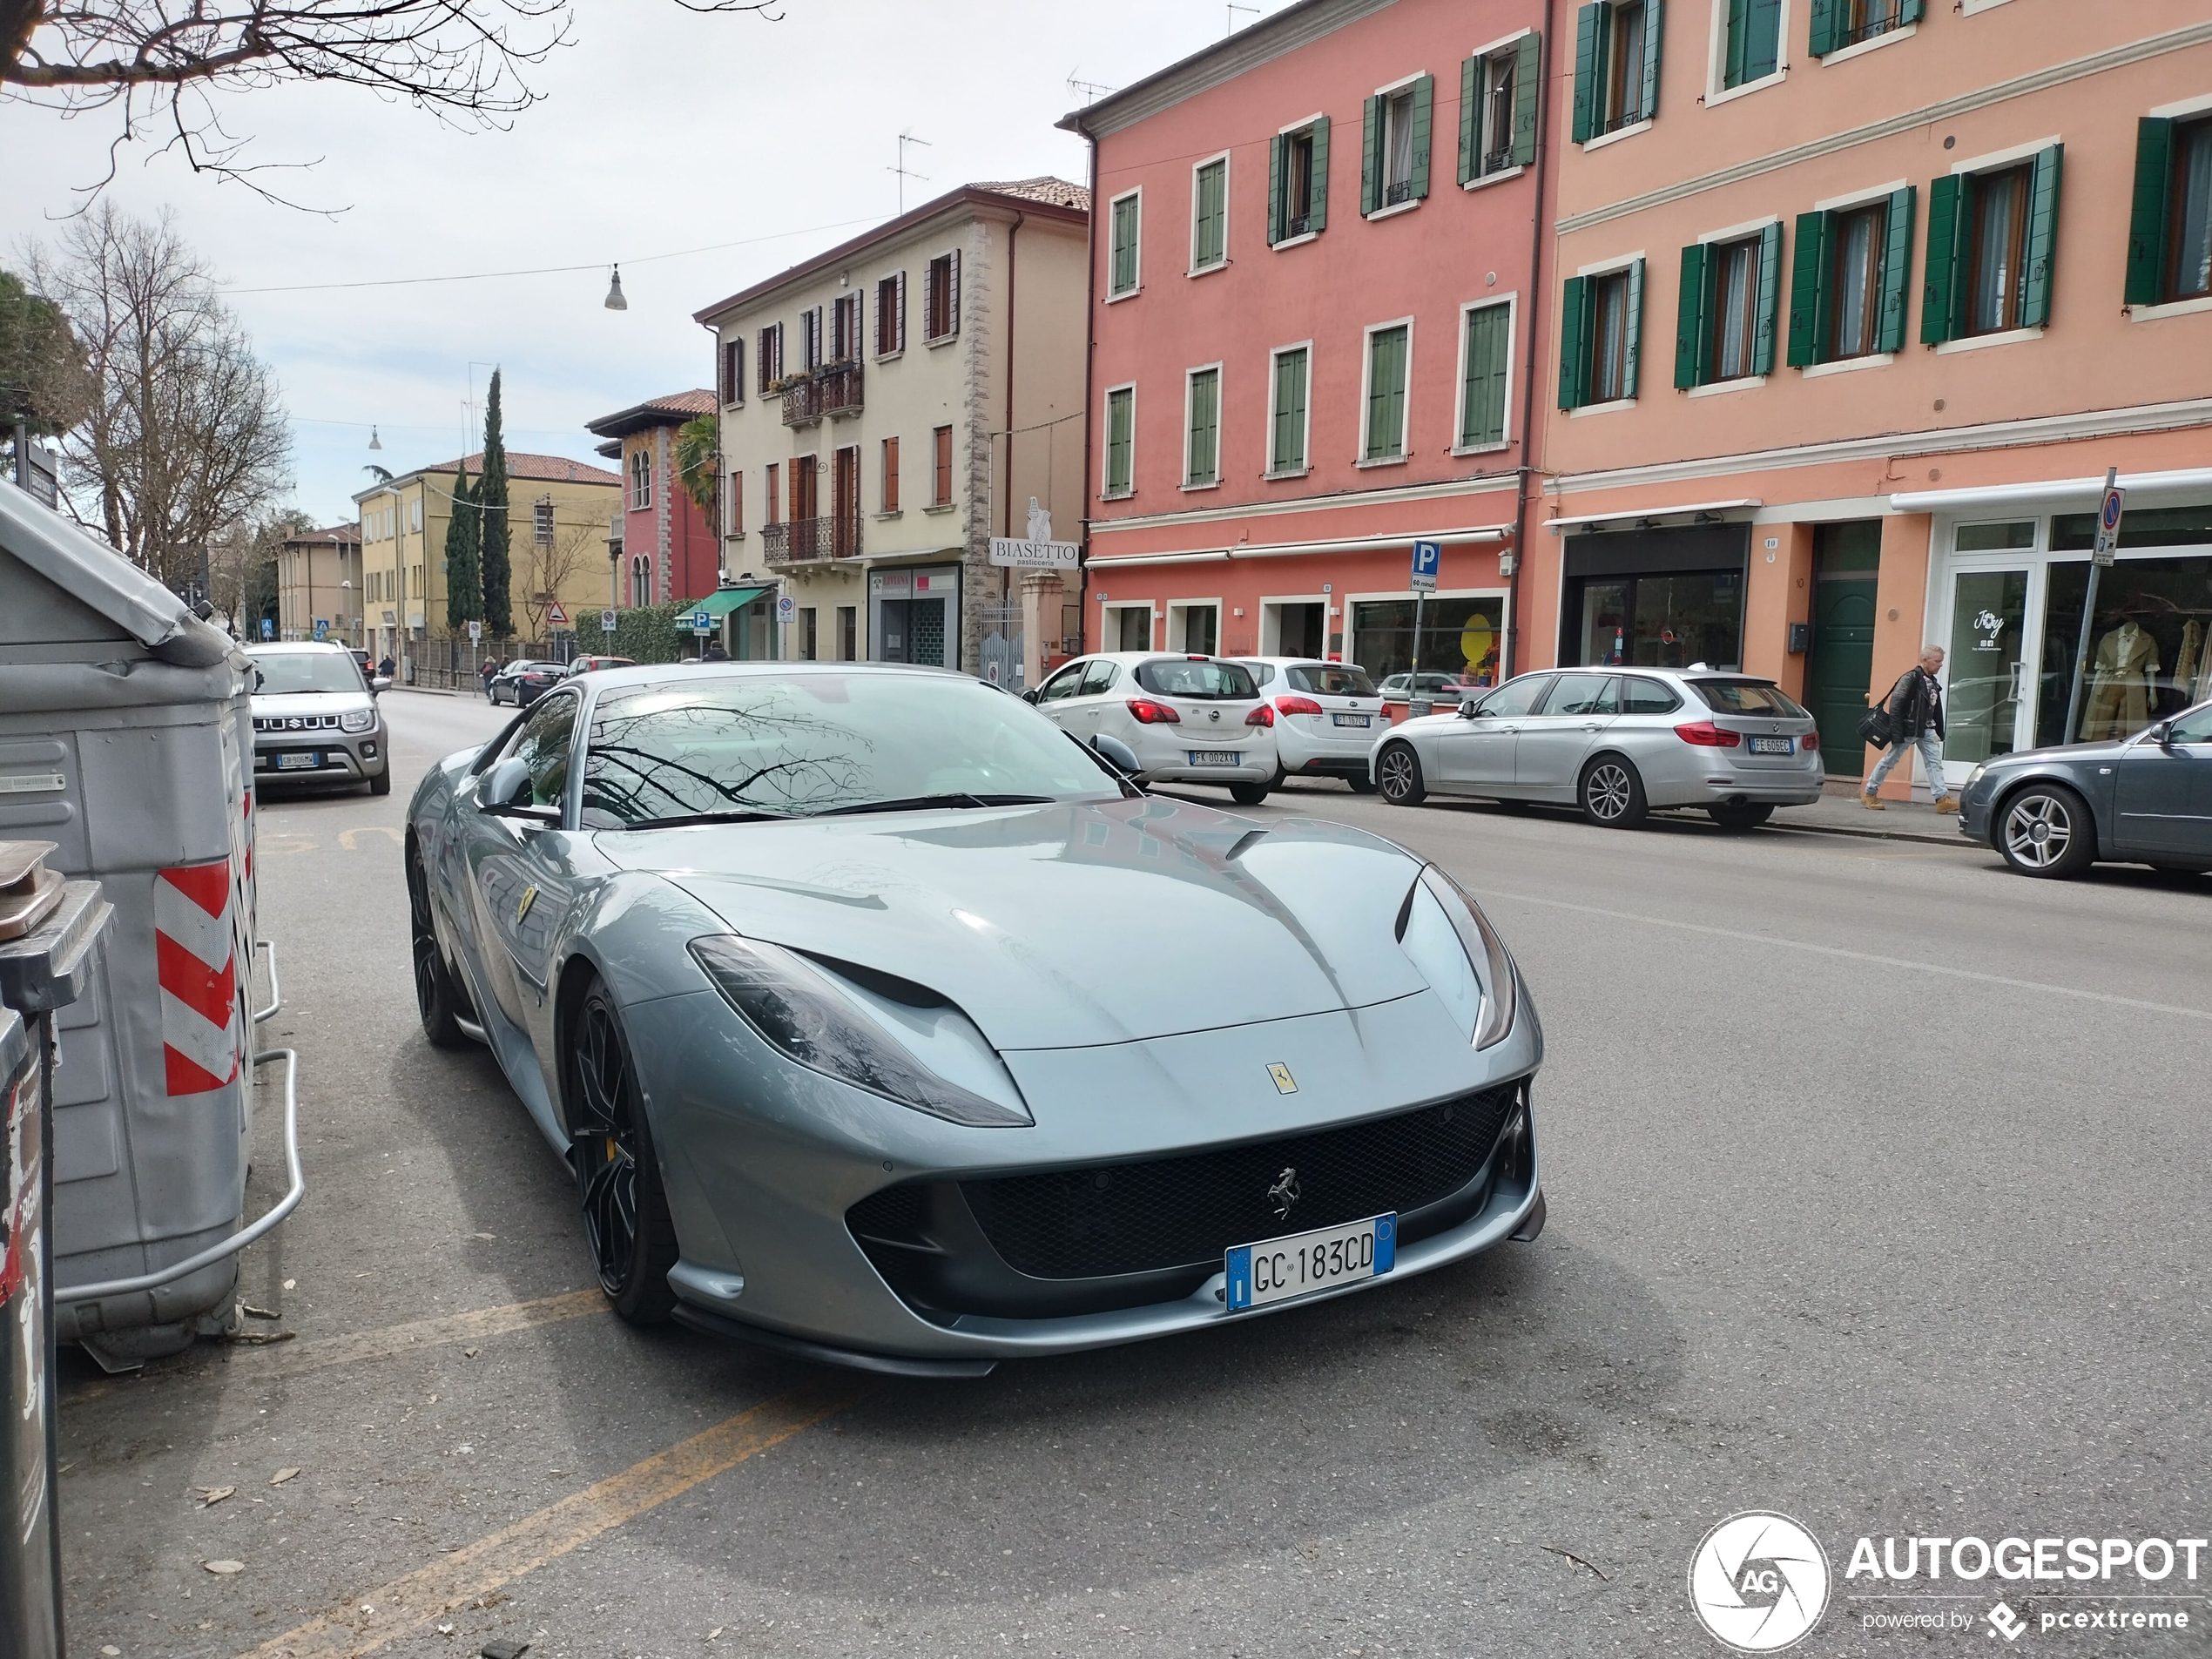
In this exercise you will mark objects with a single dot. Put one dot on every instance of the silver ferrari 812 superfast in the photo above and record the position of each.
(883, 1022)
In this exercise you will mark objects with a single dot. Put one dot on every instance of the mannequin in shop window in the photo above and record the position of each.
(2123, 681)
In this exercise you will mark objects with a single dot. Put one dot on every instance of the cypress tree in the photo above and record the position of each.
(492, 500)
(464, 569)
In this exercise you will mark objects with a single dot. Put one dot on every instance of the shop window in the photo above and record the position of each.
(1486, 355)
(1121, 442)
(2169, 238)
(1601, 328)
(1982, 667)
(1201, 438)
(1298, 182)
(1838, 23)
(1848, 280)
(1661, 621)
(1724, 326)
(1752, 47)
(1498, 109)
(1991, 239)
(1287, 428)
(2147, 645)
(1387, 365)
(1209, 214)
(1459, 635)
(1394, 147)
(1122, 264)
(1616, 65)
(1995, 538)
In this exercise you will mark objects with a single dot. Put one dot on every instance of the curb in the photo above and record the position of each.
(1871, 834)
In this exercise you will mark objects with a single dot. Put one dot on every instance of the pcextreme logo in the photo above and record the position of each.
(1758, 1583)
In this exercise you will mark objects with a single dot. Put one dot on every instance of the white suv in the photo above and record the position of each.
(1187, 719)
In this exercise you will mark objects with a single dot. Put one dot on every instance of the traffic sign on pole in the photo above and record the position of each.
(555, 615)
(2108, 511)
(475, 633)
(2101, 551)
(701, 623)
(606, 622)
(1428, 558)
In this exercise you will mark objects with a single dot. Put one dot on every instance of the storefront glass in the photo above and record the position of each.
(1458, 635)
(1663, 620)
(1988, 627)
(2147, 645)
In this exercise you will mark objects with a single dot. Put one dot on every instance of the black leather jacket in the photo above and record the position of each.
(1916, 703)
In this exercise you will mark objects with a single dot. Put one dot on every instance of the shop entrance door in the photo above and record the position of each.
(1986, 675)
(1299, 630)
(1843, 640)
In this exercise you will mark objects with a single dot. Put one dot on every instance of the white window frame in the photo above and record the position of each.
(641, 480)
(1269, 635)
(1114, 296)
(1366, 394)
(1196, 167)
(1382, 144)
(1511, 300)
(1106, 491)
(1189, 387)
(1717, 58)
(1285, 130)
(1178, 620)
(1495, 48)
(1607, 267)
(1109, 617)
(1348, 601)
(1275, 470)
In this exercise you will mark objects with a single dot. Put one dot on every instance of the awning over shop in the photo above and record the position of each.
(717, 605)
(2192, 482)
(1699, 512)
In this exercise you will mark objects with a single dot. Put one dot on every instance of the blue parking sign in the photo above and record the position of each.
(1428, 557)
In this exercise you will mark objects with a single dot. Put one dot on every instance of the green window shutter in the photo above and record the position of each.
(1317, 201)
(1808, 276)
(1820, 36)
(1762, 39)
(2042, 254)
(1123, 277)
(2147, 222)
(1770, 292)
(1288, 451)
(1589, 71)
(1202, 449)
(1632, 358)
(1482, 399)
(1120, 411)
(1897, 270)
(1470, 82)
(1939, 320)
(1528, 88)
(1423, 122)
(1655, 13)
(1386, 393)
(1739, 37)
(1370, 156)
(1574, 343)
(1275, 189)
(1689, 320)
(1209, 241)
(1912, 11)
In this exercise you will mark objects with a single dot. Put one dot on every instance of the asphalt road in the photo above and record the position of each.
(1878, 1195)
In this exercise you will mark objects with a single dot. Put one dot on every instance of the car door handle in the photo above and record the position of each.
(1594, 726)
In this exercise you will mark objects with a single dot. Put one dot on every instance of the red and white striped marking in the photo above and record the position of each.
(202, 1030)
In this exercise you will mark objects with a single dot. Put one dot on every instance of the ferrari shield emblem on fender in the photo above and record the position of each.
(529, 897)
(1285, 1083)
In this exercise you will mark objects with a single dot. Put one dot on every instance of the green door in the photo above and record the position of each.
(1843, 660)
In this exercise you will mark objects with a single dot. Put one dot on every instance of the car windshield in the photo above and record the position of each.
(289, 671)
(788, 745)
(1330, 679)
(1200, 678)
(1747, 697)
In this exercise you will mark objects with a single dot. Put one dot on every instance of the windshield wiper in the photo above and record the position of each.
(735, 815)
(923, 803)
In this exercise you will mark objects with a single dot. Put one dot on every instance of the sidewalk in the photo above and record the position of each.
(1837, 813)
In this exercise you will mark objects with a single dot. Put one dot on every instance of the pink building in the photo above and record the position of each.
(1856, 303)
(669, 551)
(1314, 275)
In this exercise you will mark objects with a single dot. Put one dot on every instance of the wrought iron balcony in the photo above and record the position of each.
(803, 541)
(803, 402)
(840, 389)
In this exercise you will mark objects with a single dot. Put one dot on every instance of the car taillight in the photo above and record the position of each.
(1264, 716)
(1705, 735)
(1298, 706)
(1151, 714)
(1810, 742)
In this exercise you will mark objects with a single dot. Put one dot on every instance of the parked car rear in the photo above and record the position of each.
(1326, 715)
(1188, 718)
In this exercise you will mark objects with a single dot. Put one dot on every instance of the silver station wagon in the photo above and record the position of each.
(1616, 743)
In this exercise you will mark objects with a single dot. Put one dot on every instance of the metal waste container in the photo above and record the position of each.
(126, 738)
(48, 933)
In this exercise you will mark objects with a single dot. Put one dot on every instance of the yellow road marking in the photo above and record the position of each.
(350, 838)
(476, 1570)
(296, 1359)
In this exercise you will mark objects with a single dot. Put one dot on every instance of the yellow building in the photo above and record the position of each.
(558, 512)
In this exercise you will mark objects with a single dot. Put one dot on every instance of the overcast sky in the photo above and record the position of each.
(660, 132)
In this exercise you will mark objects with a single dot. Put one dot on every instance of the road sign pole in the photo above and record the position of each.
(2109, 506)
(1413, 686)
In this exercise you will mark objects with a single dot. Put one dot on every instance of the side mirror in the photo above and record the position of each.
(1122, 758)
(381, 683)
(2162, 734)
(1030, 696)
(505, 793)
(1469, 708)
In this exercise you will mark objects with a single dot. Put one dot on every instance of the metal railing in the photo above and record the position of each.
(801, 540)
(840, 390)
(803, 403)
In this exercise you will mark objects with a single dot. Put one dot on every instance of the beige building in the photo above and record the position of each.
(558, 511)
(319, 581)
(890, 405)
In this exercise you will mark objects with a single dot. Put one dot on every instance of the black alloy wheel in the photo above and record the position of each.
(1399, 774)
(1741, 815)
(1612, 793)
(625, 1211)
(2046, 830)
(437, 998)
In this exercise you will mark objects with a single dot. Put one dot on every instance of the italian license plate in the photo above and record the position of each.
(1279, 1269)
(1774, 745)
(1349, 720)
(306, 762)
(1215, 758)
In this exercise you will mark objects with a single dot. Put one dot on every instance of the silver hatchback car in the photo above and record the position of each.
(1616, 743)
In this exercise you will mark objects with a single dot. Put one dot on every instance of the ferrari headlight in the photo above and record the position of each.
(1459, 954)
(801, 1012)
(359, 720)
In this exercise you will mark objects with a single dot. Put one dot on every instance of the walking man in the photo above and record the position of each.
(1916, 717)
(490, 668)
